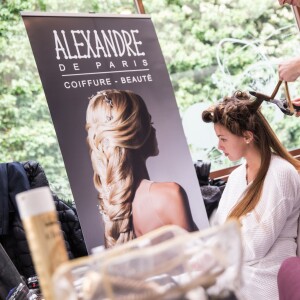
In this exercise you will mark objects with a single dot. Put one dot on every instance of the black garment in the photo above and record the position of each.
(211, 196)
(211, 190)
(67, 214)
(17, 177)
(13, 180)
(9, 276)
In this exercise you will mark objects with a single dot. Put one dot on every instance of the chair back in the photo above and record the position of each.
(298, 238)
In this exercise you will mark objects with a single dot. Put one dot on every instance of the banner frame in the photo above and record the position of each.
(84, 15)
(297, 16)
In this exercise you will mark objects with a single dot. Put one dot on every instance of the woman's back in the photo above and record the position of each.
(160, 203)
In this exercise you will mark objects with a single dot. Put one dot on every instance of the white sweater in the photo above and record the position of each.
(269, 231)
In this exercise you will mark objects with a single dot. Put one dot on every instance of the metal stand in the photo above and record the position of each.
(297, 15)
(139, 6)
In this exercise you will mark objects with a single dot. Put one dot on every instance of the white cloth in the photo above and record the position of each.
(269, 231)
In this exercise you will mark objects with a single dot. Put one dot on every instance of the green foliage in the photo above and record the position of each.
(26, 130)
(189, 32)
(215, 47)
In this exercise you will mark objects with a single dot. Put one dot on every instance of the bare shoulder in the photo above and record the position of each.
(165, 189)
(166, 193)
(171, 204)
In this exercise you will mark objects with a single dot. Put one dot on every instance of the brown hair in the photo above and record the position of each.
(118, 124)
(238, 114)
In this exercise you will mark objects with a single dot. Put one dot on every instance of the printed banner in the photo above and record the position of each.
(80, 55)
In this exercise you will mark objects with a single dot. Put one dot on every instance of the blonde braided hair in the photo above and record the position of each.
(118, 125)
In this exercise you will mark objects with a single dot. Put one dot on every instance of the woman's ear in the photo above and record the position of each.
(248, 136)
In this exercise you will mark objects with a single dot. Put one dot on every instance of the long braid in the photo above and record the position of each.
(117, 124)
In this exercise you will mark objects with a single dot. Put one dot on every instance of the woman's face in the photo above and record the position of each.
(152, 144)
(150, 148)
(233, 146)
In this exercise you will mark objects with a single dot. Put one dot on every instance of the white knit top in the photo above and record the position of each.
(269, 231)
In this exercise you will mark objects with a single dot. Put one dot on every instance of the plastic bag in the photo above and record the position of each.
(168, 263)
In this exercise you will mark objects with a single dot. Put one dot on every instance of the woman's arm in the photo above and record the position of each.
(289, 70)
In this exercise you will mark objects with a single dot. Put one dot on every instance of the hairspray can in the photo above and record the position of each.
(44, 235)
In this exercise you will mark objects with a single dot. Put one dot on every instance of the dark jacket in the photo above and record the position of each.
(17, 177)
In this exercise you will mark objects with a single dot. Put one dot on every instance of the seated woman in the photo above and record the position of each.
(121, 137)
(263, 193)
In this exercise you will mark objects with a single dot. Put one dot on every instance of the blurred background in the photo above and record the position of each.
(211, 48)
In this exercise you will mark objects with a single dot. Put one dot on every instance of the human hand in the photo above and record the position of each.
(297, 103)
(291, 2)
(289, 70)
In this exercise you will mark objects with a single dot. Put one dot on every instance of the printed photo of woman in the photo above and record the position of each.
(121, 136)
